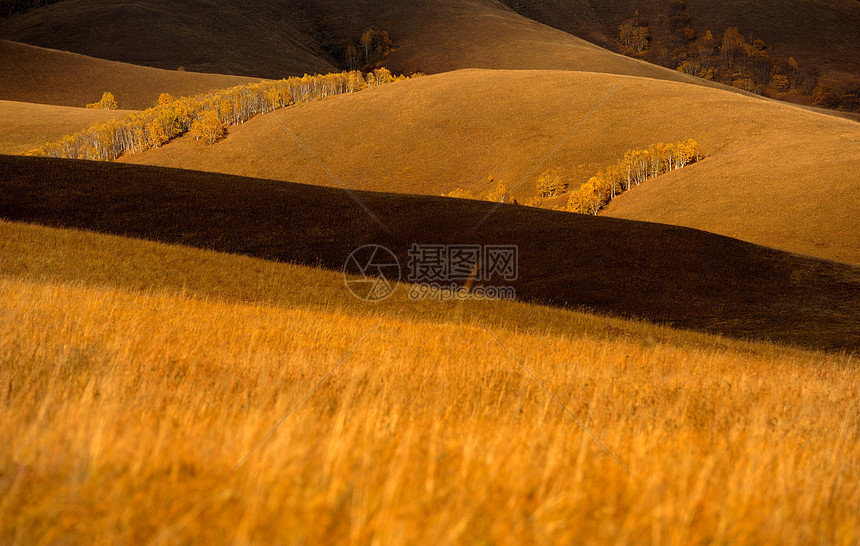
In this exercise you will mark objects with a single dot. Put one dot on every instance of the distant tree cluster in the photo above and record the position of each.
(205, 117)
(634, 34)
(733, 59)
(636, 167)
(366, 50)
(9, 7)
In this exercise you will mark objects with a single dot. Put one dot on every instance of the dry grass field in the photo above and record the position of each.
(433, 134)
(131, 405)
(182, 360)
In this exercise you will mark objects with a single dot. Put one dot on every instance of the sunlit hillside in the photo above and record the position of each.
(27, 125)
(437, 133)
(396, 272)
(46, 76)
(146, 412)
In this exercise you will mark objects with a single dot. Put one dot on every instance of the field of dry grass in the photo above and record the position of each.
(433, 134)
(133, 400)
(182, 362)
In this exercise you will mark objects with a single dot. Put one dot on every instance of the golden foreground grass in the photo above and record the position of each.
(128, 409)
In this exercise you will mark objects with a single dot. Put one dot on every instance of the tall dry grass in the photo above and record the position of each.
(122, 412)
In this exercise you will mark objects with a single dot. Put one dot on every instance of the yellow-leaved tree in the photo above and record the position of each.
(208, 128)
(550, 184)
(499, 194)
(107, 102)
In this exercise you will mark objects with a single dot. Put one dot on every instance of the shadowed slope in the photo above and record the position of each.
(817, 33)
(251, 38)
(274, 39)
(658, 272)
(35, 74)
(768, 162)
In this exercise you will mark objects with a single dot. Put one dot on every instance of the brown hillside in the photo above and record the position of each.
(659, 272)
(817, 33)
(24, 125)
(768, 161)
(430, 37)
(251, 38)
(35, 74)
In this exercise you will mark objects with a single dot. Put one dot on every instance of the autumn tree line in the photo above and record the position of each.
(730, 58)
(204, 117)
(633, 169)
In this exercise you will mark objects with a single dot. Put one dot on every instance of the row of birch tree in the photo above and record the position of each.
(204, 117)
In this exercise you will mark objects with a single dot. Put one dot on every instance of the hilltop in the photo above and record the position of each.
(252, 38)
(274, 39)
(434, 134)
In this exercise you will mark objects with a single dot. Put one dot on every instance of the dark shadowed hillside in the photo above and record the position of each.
(653, 271)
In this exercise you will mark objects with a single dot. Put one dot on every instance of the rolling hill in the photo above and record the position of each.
(662, 273)
(433, 134)
(27, 125)
(275, 39)
(39, 75)
(252, 38)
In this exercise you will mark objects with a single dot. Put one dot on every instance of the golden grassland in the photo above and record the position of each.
(28, 125)
(769, 177)
(131, 392)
